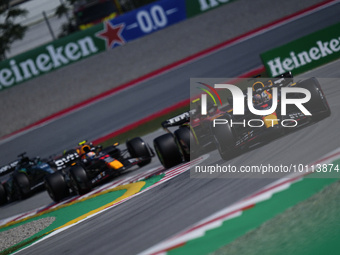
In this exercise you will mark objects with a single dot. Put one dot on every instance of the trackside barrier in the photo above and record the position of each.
(89, 42)
(305, 53)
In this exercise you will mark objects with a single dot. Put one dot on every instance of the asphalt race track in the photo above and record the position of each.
(169, 208)
(41, 198)
(138, 102)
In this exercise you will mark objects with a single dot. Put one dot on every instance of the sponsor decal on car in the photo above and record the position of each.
(62, 162)
(9, 167)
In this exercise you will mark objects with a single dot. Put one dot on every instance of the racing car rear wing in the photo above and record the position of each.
(178, 120)
(8, 168)
(64, 161)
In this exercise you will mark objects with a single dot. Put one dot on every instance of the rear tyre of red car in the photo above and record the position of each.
(225, 140)
(138, 148)
(318, 103)
(56, 186)
(182, 136)
(80, 180)
(167, 150)
(22, 185)
(3, 195)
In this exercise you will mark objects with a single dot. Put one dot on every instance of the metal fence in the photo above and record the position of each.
(42, 28)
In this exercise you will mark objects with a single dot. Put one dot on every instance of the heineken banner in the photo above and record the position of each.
(195, 7)
(79, 45)
(49, 57)
(305, 53)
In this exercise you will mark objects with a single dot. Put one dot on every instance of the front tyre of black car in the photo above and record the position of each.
(167, 150)
(80, 180)
(56, 186)
(3, 195)
(21, 185)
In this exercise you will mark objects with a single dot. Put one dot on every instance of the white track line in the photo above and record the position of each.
(215, 220)
(184, 167)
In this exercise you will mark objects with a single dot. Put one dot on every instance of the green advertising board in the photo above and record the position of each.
(51, 56)
(83, 44)
(305, 53)
(195, 7)
(98, 38)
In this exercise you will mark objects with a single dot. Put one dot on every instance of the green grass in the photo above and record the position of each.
(139, 131)
(67, 213)
(310, 227)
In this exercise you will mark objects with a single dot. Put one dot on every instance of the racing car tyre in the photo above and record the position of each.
(80, 180)
(137, 149)
(167, 150)
(22, 184)
(225, 139)
(318, 100)
(3, 195)
(182, 136)
(56, 186)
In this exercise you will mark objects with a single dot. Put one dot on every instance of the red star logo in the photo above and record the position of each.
(112, 34)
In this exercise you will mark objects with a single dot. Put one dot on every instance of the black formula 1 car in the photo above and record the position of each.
(197, 133)
(231, 139)
(189, 140)
(27, 176)
(93, 165)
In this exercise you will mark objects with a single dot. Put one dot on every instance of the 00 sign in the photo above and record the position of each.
(153, 20)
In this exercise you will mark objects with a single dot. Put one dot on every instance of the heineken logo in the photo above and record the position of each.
(295, 60)
(52, 58)
(305, 53)
(93, 40)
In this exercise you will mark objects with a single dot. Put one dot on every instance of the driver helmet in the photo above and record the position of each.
(90, 155)
(257, 99)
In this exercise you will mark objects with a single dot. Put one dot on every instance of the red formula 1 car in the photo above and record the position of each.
(87, 166)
